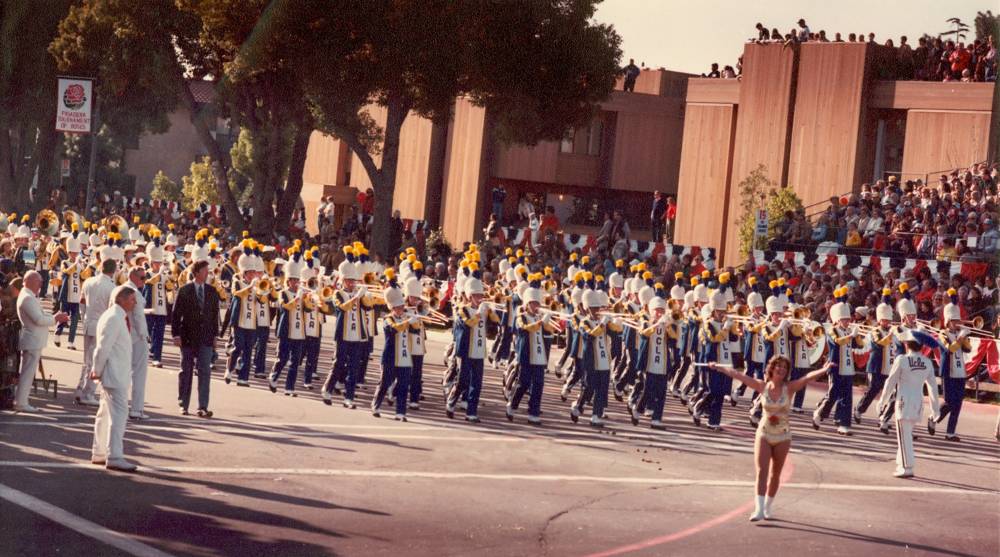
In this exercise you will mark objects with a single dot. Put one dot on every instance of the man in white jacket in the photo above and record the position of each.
(96, 299)
(113, 370)
(140, 344)
(909, 373)
(35, 323)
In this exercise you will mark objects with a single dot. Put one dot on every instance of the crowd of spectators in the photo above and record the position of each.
(953, 220)
(933, 59)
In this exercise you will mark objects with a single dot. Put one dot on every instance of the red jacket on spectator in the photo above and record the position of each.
(959, 60)
(549, 221)
(671, 212)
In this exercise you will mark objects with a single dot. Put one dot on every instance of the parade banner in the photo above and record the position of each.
(857, 263)
(74, 105)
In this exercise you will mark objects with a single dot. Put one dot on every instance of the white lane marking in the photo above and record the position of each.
(348, 436)
(80, 525)
(409, 474)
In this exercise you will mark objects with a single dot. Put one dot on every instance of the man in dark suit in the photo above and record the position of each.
(194, 328)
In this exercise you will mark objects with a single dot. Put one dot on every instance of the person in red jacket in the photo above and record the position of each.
(959, 59)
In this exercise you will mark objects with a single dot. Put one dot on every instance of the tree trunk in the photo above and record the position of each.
(8, 186)
(384, 184)
(48, 145)
(293, 185)
(220, 159)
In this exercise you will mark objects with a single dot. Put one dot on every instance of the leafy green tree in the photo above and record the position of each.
(165, 189)
(144, 53)
(757, 191)
(29, 143)
(960, 30)
(987, 25)
(537, 66)
(199, 186)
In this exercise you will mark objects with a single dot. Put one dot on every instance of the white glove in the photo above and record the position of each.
(483, 309)
(415, 320)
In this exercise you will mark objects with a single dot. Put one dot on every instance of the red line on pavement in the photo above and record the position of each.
(696, 529)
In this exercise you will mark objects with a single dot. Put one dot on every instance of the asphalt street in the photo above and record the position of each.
(276, 475)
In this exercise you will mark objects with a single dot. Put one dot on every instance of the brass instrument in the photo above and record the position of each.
(226, 284)
(499, 298)
(740, 311)
(47, 222)
(71, 217)
(977, 332)
(802, 312)
(264, 287)
(812, 329)
(116, 223)
(430, 319)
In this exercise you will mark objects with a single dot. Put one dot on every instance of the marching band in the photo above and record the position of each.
(625, 336)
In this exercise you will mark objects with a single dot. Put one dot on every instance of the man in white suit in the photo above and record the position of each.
(140, 344)
(113, 370)
(96, 298)
(909, 373)
(35, 323)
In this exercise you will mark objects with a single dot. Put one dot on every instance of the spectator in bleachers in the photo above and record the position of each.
(762, 33)
(631, 72)
(953, 220)
(803, 31)
(714, 72)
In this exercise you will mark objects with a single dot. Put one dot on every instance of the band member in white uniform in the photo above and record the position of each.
(910, 372)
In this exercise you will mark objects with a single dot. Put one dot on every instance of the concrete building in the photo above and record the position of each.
(822, 124)
(815, 116)
(175, 150)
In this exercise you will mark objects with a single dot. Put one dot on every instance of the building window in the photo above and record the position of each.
(566, 146)
(594, 139)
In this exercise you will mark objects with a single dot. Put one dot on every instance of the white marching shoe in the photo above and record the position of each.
(758, 513)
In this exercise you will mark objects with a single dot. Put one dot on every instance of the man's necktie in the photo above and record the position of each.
(201, 295)
(128, 324)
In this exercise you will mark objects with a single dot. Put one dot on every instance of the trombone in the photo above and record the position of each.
(965, 330)
(429, 319)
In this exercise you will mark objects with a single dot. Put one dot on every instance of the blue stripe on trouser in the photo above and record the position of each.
(656, 390)
(416, 379)
(310, 353)
(260, 354)
(875, 383)
(399, 378)
(351, 359)
(156, 324)
(73, 309)
(243, 349)
(532, 381)
(290, 352)
(719, 385)
(954, 394)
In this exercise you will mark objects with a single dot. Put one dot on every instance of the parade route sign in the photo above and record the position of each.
(74, 108)
(760, 226)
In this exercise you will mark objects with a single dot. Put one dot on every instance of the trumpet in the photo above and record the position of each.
(226, 284)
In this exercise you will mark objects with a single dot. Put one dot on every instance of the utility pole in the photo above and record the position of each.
(94, 128)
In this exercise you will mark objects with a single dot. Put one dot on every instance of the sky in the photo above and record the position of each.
(687, 36)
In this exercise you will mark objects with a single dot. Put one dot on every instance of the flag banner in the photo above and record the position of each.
(74, 105)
